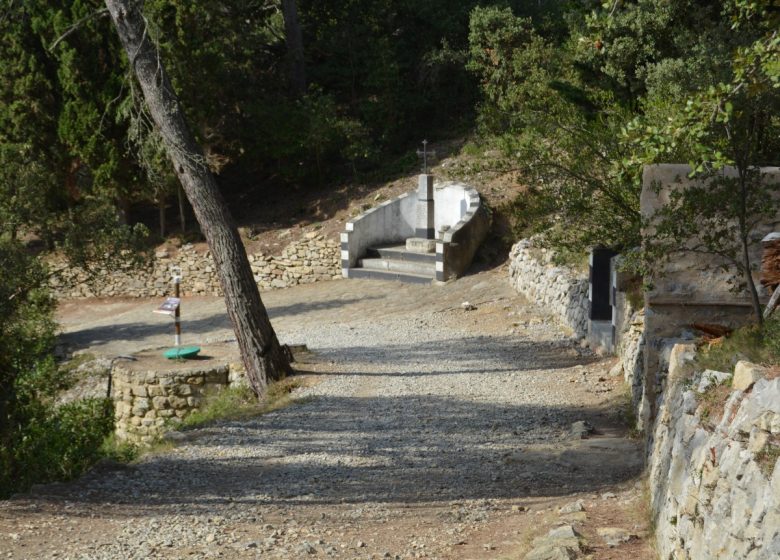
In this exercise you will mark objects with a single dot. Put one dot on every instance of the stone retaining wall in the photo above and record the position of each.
(149, 403)
(715, 479)
(557, 289)
(309, 260)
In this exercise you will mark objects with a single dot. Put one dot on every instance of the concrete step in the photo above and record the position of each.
(399, 253)
(393, 265)
(367, 273)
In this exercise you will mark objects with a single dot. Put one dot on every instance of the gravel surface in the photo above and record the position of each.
(426, 431)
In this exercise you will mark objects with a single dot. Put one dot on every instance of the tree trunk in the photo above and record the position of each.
(260, 350)
(182, 215)
(161, 214)
(294, 40)
(745, 246)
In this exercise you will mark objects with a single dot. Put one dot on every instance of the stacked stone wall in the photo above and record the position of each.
(149, 403)
(559, 290)
(312, 259)
(715, 479)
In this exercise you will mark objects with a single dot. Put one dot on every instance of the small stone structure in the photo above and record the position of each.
(311, 259)
(152, 394)
(715, 482)
(455, 218)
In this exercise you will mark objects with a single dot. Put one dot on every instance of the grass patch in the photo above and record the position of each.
(236, 403)
(767, 458)
(760, 346)
(119, 451)
(628, 413)
(713, 402)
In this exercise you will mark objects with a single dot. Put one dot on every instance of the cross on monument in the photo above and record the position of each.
(424, 153)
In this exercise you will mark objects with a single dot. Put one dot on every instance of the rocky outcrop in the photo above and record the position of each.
(311, 259)
(557, 289)
(714, 477)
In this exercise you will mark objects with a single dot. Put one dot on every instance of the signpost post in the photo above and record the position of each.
(176, 271)
(172, 306)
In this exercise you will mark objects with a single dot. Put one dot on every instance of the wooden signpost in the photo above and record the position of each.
(172, 306)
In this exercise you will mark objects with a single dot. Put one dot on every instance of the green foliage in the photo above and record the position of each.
(771, 338)
(57, 443)
(38, 442)
(562, 132)
(635, 83)
(240, 402)
(119, 451)
(753, 343)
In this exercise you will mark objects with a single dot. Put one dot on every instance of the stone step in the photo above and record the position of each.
(399, 253)
(412, 267)
(367, 273)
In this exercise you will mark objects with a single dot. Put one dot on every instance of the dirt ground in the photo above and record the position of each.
(423, 431)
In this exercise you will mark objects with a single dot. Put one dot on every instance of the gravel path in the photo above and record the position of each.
(428, 432)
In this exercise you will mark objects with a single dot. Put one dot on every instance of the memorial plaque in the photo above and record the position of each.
(169, 306)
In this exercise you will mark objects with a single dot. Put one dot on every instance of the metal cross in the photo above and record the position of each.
(424, 153)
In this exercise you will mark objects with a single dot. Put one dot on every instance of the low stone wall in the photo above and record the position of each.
(152, 396)
(715, 479)
(559, 290)
(309, 260)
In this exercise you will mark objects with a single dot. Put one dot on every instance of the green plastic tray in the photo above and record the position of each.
(182, 352)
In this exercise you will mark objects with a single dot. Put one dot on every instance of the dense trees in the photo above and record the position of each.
(635, 83)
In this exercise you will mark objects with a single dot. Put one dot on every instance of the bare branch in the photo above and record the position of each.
(76, 26)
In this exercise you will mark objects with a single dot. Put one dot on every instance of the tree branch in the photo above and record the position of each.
(76, 26)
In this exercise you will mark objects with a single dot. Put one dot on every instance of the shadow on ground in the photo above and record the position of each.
(158, 326)
(340, 450)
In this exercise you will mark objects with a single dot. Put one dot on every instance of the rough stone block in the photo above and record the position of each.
(746, 374)
(139, 391)
(420, 245)
(177, 402)
(155, 391)
(184, 390)
(159, 402)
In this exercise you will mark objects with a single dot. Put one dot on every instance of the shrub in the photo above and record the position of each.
(55, 443)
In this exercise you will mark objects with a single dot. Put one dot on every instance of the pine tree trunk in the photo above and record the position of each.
(161, 215)
(182, 215)
(294, 41)
(262, 355)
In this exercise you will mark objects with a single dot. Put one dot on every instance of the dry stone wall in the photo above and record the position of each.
(149, 403)
(311, 259)
(559, 290)
(715, 480)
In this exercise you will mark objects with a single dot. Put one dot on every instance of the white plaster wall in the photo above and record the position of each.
(389, 222)
(451, 203)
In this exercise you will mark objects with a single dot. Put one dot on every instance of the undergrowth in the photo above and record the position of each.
(240, 402)
(752, 343)
(767, 458)
(713, 401)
